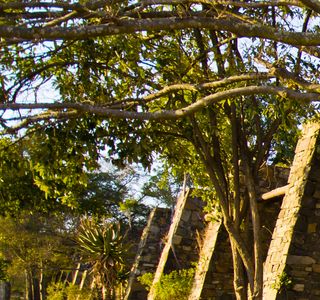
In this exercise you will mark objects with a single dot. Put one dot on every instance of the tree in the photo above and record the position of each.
(37, 228)
(18, 188)
(102, 245)
(211, 86)
(36, 247)
(162, 187)
(108, 194)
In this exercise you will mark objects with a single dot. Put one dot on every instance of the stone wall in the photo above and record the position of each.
(148, 252)
(219, 280)
(294, 252)
(184, 250)
(290, 231)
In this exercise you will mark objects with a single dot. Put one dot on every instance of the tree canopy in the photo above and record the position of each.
(216, 88)
(77, 44)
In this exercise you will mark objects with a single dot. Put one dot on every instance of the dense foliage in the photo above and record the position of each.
(216, 88)
(175, 285)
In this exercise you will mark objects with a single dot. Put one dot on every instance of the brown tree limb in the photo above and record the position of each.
(208, 85)
(128, 26)
(106, 112)
(313, 4)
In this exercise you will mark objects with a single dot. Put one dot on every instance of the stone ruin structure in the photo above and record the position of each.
(290, 203)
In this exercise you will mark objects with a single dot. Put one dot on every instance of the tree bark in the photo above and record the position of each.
(258, 276)
(28, 285)
(235, 238)
(239, 282)
(35, 282)
(75, 275)
(239, 277)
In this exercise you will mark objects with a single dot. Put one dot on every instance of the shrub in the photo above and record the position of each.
(59, 291)
(56, 291)
(175, 285)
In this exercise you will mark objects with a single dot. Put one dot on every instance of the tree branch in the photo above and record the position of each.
(208, 85)
(313, 4)
(127, 26)
(160, 115)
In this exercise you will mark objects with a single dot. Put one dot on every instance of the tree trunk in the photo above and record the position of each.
(239, 282)
(7, 290)
(223, 190)
(42, 283)
(28, 286)
(258, 276)
(76, 273)
(35, 286)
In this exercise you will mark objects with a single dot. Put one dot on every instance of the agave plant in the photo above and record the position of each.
(102, 246)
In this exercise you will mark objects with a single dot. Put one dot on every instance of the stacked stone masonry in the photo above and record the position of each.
(294, 251)
(290, 232)
(184, 250)
(218, 282)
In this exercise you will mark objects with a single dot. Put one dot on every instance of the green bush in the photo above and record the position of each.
(56, 291)
(3, 269)
(59, 291)
(175, 285)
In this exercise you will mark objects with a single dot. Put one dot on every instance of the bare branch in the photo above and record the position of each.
(224, 2)
(41, 117)
(127, 26)
(64, 18)
(53, 5)
(105, 112)
(207, 85)
(313, 4)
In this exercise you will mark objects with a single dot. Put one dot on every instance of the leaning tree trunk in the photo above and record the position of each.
(239, 281)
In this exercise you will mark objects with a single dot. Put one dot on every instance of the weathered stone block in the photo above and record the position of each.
(154, 229)
(176, 240)
(309, 189)
(195, 216)
(149, 265)
(307, 211)
(316, 194)
(302, 144)
(312, 228)
(300, 260)
(298, 273)
(299, 287)
(186, 248)
(301, 224)
(316, 292)
(194, 204)
(316, 268)
(186, 215)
